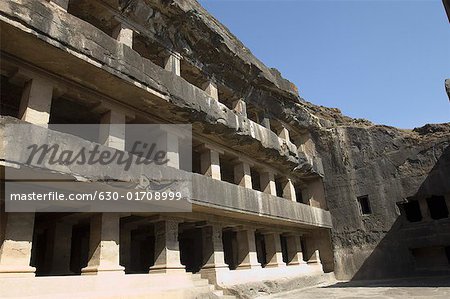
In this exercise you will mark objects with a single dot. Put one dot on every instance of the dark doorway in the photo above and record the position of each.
(261, 252)
(40, 258)
(142, 250)
(191, 249)
(230, 249)
(79, 256)
(412, 211)
(284, 249)
(437, 206)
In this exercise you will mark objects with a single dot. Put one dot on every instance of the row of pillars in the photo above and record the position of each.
(35, 108)
(124, 35)
(210, 166)
(106, 238)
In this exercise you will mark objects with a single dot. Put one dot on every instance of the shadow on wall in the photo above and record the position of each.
(418, 243)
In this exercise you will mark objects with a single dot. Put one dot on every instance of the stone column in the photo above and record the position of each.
(167, 249)
(172, 63)
(247, 250)
(240, 107)
(36, 101)
(168, 142)
(104, 252)
(214, 258)
(424, 210)
(284, 133)
(265, 121)
(210, 163)
(289, 190)
(314, 258)
(15, 251)
(62, 243)
(242, 175)
(211, 89)
(123, 34)
(267, 181)
(112, 130)
(274, 255)
(294, 249)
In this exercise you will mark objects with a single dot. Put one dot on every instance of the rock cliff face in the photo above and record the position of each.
(359, 158)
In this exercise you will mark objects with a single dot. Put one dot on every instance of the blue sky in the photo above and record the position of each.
(384, 61)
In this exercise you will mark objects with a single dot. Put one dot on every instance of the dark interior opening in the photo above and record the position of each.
(284, 249)
(79, 255)
(191, 249)
(261, 252)
(256, 179)
(192, 74)
(279, 186)
(142, 250)
(230, 249)
(364, 205)
(437, 206)
(65, 112)
(94, 14)
(298, 193)
(447, 253)
(412, 211)
(196, 162)
(10, 96)
(150, 49)
(40, 253)
(433, 257)
(226, 169)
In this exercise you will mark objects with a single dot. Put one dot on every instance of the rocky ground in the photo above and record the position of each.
(430, 287)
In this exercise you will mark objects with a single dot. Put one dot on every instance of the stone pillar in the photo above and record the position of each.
(167, 249)
(104, 252)
(210, 163)
(267, 181)
(36, 102)
(289, 190)
(213, 247)
(424, 210)
(172, 63)
(211, 89)
(284, 133)
(242, 175)
(274, 255)
(240, 107)
(64, 4)
(294, 249)
(15, 251)
(112, 130)
(314, 258)
(168, 142)
(265, 121)
(247, 249)
(62, 243)
(123, 34)
(213, 254)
